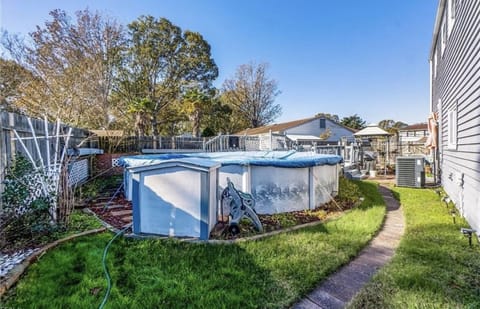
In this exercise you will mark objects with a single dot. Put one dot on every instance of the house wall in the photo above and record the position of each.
(455, 82)
(313, 128)
(411, 136)
(408, 142)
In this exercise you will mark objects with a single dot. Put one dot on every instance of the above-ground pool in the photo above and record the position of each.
(279, 181)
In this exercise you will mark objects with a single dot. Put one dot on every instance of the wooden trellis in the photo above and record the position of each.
(47, 170)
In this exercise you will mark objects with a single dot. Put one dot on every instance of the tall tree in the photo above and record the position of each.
(73, 64)
(166, 62)
(354, 122)
(386, 124)
(391, 126)
(329, 116)
(221, 117)
(13, 78)
(253, 94)
(195, 103)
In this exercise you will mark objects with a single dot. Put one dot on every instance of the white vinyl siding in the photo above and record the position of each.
(458, 81)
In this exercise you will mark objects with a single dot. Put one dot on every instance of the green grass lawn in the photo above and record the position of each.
(433, 266)
(79, 222)
(269, 273)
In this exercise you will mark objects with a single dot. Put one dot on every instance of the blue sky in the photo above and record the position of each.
(341, 57)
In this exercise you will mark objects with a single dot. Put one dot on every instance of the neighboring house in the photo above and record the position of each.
(455, 100)
(411, 139)
(319, 130)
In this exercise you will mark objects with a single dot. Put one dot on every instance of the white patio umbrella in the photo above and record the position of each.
(373, 130)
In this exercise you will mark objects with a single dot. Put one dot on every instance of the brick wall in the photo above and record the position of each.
(104, 163)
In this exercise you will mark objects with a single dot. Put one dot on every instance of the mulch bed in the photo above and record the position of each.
(107, 210)
(278, 222)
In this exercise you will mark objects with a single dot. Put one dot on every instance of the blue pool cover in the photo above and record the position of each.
(289, 159)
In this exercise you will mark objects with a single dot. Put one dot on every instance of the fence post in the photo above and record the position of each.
(11, 124)
(3, 157)
(271, 140)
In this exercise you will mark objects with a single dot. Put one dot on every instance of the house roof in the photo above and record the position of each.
(277, 127)
(109, 133)
(372, 130)
(416, 126)
(280, 127)
(298, 137)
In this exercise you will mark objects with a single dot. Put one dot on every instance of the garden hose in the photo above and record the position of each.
(105, 268)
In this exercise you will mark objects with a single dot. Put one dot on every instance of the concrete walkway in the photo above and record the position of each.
(342, 286)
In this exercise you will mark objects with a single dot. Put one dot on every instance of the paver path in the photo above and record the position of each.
(342, 286)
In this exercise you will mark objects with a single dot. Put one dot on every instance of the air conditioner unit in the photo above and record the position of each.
(409, 171)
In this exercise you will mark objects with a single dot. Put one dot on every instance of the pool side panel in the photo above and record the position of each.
(136, 206)
(204, 206)
(311, 188)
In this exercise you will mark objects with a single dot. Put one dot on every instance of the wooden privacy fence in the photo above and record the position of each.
(131, 144)
(128, 144)
(10, 145)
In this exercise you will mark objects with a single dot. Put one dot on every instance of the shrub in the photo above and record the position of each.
(93, 188)
(349, 193)
(26, 217)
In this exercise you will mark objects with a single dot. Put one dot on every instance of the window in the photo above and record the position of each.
(323, 123)
(452, 128)
(453, 9)
(452, 12)
(443, 35)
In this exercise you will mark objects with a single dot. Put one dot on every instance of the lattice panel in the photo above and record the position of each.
(39, 185)
(78, 172)
(115, 162)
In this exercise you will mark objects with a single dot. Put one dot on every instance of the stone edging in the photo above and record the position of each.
(108, 226)
(210, 241)
(19, 269)
(260, 236)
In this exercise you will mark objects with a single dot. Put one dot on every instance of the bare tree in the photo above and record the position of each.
(253, 94)
(73, 66)
(12, 79)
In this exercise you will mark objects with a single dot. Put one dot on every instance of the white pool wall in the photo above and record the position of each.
(276, 189)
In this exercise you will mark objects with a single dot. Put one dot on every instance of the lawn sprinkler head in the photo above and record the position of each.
(468, 233)
(453, 213)
(446, 200)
